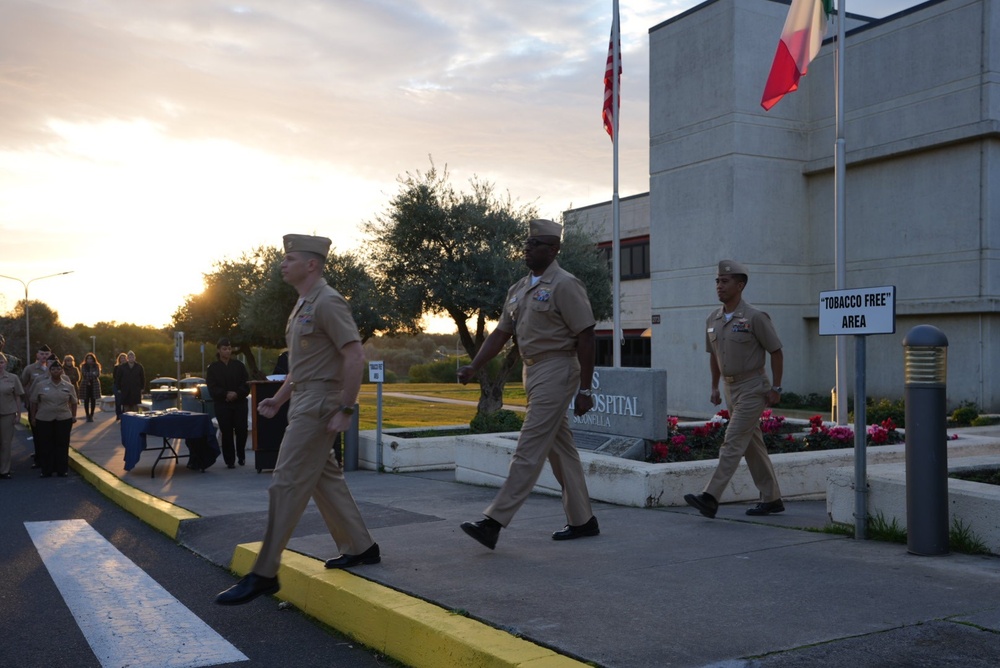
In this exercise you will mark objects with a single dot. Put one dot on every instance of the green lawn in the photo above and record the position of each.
(399, 412)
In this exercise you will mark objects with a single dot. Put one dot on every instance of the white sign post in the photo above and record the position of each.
(860, 312)
(376, 374)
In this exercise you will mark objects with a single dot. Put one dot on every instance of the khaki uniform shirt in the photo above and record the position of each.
(31, 372)
(320, 318)
(739, 345)
(548, 316)
(11, 392)
(53, 399)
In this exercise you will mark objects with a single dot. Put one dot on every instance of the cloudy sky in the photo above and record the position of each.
(142, 141)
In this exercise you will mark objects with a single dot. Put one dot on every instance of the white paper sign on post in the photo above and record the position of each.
(859, 311)
(376, 372)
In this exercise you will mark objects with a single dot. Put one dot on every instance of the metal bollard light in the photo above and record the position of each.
(925, 365)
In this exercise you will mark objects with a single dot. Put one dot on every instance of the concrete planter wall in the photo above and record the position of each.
(484, 460)
(976, 504)
(402, 455)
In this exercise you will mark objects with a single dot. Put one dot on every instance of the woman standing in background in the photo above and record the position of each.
(115, 386)
(90, 384)
(71, 371)
(11, 394)
(53, 405)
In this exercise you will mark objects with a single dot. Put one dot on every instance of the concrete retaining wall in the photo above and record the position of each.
(484, 460)
(976, 504)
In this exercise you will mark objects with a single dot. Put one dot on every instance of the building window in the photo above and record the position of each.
(634, 258)
(636, 350)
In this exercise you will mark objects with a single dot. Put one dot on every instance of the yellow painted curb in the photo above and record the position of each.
(158, 513)
(405, 628)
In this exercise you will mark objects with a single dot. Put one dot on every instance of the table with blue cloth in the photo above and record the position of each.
(195, 428)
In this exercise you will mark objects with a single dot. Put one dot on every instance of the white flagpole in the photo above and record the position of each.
(616, 336)
(840, 212)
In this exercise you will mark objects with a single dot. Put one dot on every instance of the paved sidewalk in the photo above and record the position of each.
(658, 587)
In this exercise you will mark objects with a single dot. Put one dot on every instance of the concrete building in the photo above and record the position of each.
(922, 100)
(635, 273)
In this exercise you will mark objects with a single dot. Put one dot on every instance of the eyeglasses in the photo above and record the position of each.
(535, 243)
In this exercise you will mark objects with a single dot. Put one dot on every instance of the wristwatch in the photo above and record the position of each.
(776, 388)
(346, 410)
(586, 393)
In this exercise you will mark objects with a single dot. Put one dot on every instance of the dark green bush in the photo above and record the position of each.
(878, 410)
(804, 401)
(442, 371)
(500, 421)
(965, 414)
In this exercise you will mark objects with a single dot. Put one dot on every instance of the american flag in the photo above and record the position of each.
(614, 48)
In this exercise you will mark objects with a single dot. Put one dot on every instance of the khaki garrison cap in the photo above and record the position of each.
(539, 227)
(732, 267)
(304, 243)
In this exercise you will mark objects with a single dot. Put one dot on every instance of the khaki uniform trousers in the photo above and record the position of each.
(306, 467)
(550, 385)
(746, 401)
(7, 423)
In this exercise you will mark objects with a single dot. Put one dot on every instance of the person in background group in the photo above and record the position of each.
(737, 338)
(37, 369)
(229, 384)
(131, 383)
(115, 386)
(90, 384)
(326, 359)
(71, 372)
(53, 407)
(549, 313)
(40, 367)
(11, 396)
(13, 361)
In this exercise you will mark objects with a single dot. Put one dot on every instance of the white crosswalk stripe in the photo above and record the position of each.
(127, 617)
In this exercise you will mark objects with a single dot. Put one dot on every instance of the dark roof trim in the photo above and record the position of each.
(870, 22)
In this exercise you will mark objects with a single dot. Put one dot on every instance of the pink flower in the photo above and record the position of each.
(672, 423)
(678, 439)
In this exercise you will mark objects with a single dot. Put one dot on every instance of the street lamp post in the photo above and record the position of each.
(93, 345)
(27, 318)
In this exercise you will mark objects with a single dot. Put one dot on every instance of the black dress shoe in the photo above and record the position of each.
(767, 508)
(704, 502)
(44, 475)
(36, 466)
(569, 532)
(369, 556)
(242, 462)
(62, 475)
(247, 589)
(4, 476)
(230, 466)
(486, 531)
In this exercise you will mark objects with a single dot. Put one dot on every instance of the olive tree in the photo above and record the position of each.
(439, 251)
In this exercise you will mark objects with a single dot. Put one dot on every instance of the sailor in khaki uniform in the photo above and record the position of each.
(549, 315)
(737, 336)
(11, 396)
(325, 359)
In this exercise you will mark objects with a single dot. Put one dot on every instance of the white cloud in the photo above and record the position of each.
(172, 133)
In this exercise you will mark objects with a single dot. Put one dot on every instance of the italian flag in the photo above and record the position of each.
(801, 38)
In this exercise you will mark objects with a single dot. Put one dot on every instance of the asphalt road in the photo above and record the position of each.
(37, 628)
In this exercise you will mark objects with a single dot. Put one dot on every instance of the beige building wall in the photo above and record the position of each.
(727, 179)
